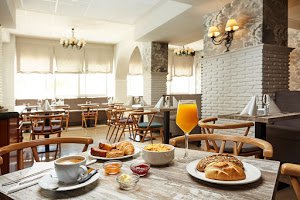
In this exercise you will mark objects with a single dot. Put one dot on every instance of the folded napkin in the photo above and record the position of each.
(129, 102)
(175, 102)
(160, 103)
(273, 108)
(33, 180)
(46, 105)
(250, 108)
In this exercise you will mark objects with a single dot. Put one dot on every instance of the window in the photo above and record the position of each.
(93, 85)
(66, 85)
(135, 85)
(181, 85)
(34, 86)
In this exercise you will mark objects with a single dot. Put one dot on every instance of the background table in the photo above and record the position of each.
(261, 121)
(168, 182)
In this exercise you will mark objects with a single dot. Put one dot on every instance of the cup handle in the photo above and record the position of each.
(83, 172)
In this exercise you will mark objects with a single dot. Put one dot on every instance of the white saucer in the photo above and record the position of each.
(49, 182)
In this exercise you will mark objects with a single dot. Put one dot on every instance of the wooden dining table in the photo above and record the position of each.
(171, 181)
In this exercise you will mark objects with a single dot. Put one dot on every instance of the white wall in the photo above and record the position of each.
(8, 72)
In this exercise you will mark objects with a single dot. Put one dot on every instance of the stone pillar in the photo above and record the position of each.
(155, 69)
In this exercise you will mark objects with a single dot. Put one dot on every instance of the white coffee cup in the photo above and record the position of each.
(70, 169)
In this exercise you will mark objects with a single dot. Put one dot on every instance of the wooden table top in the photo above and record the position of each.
(262, 119)
(25, 112)
(165, 182)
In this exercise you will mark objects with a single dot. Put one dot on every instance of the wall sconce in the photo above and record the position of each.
(231, 27)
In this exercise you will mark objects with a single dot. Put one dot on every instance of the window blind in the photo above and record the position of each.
(135, 63)
(99, 58)
(34, 55)
(69, 60)
(183, 65)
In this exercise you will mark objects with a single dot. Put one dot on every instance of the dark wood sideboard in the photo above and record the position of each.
(9, 123)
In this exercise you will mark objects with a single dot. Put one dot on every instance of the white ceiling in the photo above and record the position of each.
(122, 11)
(178, 22)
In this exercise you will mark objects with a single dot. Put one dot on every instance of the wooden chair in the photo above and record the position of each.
(208, 126)
(142, 128)
(119, 122)
(265, 146)
(293, 171)
(44, 125)
(110, 120)
(33, 144)
(89, 112)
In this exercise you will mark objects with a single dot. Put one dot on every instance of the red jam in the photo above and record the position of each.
(140, 169)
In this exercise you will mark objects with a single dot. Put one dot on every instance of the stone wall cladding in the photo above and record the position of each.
(294, 42)
(249, 15)
(159, 57)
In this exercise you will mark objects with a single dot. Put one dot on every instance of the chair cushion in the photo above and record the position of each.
(124, 120)
(247, 148)
(153, 125)
(46, 129)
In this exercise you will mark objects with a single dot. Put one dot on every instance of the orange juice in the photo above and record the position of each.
(187, 117)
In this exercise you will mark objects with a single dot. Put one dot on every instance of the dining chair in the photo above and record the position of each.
(33, 144)
(293, 171)
(266, 147)
(65, 115)
(119, 123)
(143, 128)
(89, 112)
(44, 125)
(209, 126)
(110, 120)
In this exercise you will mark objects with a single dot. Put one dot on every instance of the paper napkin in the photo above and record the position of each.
(175, 102)
(160, 103)
(273, 108)
(250, 108)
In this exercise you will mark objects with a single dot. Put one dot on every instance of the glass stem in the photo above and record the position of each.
(186, 137)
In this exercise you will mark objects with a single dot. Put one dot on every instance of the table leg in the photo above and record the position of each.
(260, 130)
(166, 127)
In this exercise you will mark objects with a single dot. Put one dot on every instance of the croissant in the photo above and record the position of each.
(126, 147)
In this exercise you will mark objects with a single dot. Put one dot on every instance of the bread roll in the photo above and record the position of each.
(225, 171)
(126, 147)
(218, 158)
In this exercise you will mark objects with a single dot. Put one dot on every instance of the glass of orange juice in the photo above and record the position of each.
(186, 120)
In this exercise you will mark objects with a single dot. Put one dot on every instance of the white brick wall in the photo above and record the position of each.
(8, 71)
(230, 79)
(155, 85)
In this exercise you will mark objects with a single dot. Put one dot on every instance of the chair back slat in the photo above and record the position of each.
(265, 146)
(33, 144)
(293, 171)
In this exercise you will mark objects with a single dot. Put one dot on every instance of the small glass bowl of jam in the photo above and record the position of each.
(127, 181)
(112, 167)
(140, 168)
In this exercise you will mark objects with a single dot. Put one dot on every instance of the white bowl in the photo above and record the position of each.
(158, 158)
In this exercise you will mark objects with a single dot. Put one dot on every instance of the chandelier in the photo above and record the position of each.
(184, 51)
(72, 42)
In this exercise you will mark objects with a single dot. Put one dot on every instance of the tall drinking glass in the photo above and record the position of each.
(186, 120)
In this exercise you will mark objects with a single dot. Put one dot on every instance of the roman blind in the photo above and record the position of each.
(135, 63)
(69, 60)
(34, 55)
(99, 58)
(182, 65)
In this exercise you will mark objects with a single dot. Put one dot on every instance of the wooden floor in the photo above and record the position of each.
(99, 134)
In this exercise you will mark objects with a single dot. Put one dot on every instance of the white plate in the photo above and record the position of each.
(136, 151)
(252, 174)
(48, 182)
